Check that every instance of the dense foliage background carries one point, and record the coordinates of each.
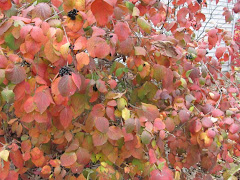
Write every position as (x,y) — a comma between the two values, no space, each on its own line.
(113,89)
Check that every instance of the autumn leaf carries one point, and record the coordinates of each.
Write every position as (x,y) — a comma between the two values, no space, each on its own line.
(99,138)
(16,74)
(102,11)
(83,156)
(82,60)
(68,159)
(66,86)
(97,47)
(66,117)
(102,124)
(122,30)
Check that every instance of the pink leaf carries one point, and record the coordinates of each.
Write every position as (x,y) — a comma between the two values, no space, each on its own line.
(66,86)
(66,117)
(102,124)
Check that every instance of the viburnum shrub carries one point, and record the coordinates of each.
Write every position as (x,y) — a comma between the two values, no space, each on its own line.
(113,89)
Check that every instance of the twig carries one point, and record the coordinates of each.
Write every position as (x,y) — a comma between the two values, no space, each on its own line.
(54,15)
(224,76)
(219,89)
(211,14)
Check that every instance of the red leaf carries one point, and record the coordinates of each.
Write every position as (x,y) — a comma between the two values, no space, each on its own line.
(37,34)
(29,105)
(206,122)
(5,5)
(83,156)
(42,101)
(3,61)
(68,159)
(195,126)
(102,124)
(184,116)
(17,158)
(158,124)
(217,113)
(110,112)
(101,86)
(15,74)
(97,47)
(66,117)
(102,11)
(164,174)
(99,138)
(4,169)
(168,80)
(114,133)
(98,110)
(122,30)
(80,43)
(234,128)
(66,86)
(42,10)
(152,156)
(77,80)
(219,52)
(13,175)
(37,157)
(149,111)
(181,16)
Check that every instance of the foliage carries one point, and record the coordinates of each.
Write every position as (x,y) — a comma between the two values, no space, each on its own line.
(112,89)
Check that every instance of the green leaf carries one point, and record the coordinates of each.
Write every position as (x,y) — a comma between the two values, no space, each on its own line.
(8,95)
(129,5)
(10,41)
(2,75)
(146,137)
(189,72)
(119,72)
(138,163)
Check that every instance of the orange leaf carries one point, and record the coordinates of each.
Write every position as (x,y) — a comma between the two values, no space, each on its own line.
(83,156)
(122,30)
(17,158)
(66,116)
(68,159)
(98,47)
(99,138)
(102,11)
(82,59)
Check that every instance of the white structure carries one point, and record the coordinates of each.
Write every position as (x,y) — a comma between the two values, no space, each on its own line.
(215,18)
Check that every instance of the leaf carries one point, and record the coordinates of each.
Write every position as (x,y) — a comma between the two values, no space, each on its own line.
(146,137)
(234,128)
(102,11)
(42,101)
(195,126)
(168,80)
(129,125)
(50,53)
(7,95)
(83,156)
(4,154)
(206,122)
(152,156)
(82,60)
(125,113)
(15,74)
(42,11)
(102,124)
(144,25)
(159,124)
(68,159)
(37,34)
(99,138)
(65,50)
(140,51)
(150,111)
(10,41)
(29,105)
(5,5)
(66,117)
(122,30)
(184,115)
(46,169)
(114,133)
(97,47)
(77,80)
(219,52)
(159,72)
(66,86)
(16,158)
(80,43)
(164,174)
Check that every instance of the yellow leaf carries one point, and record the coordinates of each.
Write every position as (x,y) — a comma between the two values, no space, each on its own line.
(4,155)
(125,114)
(64,49)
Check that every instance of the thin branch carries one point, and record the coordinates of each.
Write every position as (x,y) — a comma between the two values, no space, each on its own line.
(225,76)
(211,14)
(54,15)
